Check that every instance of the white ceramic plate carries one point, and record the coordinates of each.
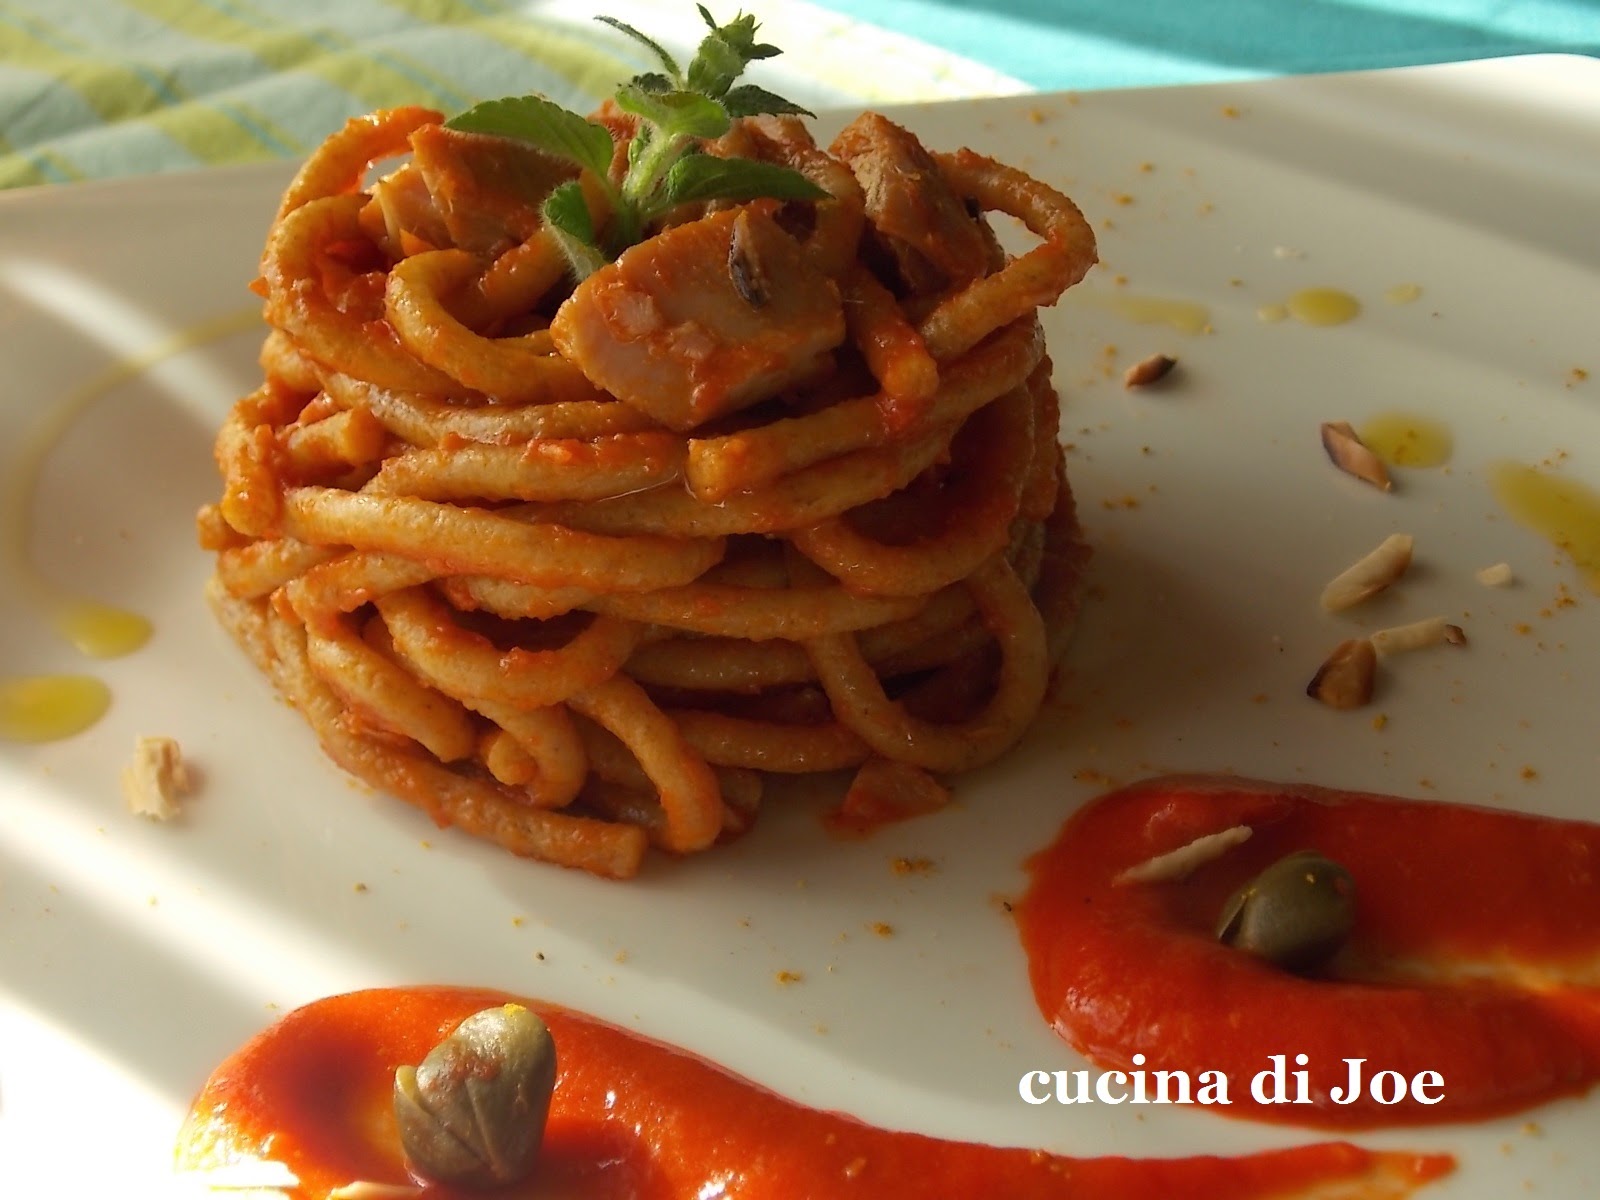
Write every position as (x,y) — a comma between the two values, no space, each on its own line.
(134,956)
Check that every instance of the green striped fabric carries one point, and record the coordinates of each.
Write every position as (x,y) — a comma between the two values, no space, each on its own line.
(102,88)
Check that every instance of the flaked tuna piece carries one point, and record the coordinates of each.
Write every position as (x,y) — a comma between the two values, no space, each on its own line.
(487,189)
(703,319)
(916,214)
(402,216)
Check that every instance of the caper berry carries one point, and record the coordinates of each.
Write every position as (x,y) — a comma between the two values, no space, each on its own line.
(1295,914)
(473,1112)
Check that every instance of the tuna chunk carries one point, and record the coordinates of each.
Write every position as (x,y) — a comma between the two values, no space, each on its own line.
(487,189)
(935,241)
(703,319)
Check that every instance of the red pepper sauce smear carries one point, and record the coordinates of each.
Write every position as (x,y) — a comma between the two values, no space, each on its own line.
(1475,951)
(633,1118)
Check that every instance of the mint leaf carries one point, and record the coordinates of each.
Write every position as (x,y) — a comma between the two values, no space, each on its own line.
(637,147)
(544,124)
(716,65)
(748,100)
(566,210)
(740,33)
(675,114)
(667,60)
(566,215)
(653,82)
(666,166)
(706,177)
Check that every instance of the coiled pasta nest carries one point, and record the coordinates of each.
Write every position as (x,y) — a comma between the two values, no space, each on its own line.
(573,566)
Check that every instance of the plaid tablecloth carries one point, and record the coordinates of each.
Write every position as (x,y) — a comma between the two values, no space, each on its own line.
(98,88)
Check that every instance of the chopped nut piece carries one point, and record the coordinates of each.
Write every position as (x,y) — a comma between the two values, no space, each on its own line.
(263,1178)
(1430,631)
(1346,678)
(1496,576)
(1351,455)
(156,777)
(1370,574)
(1179,864)
(1148,370)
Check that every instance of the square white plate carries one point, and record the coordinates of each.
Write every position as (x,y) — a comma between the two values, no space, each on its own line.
(134,956)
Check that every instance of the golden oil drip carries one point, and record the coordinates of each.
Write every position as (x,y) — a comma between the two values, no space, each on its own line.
(1323,306)
(99,630)
(1563,511)
(46,708)
(1183,315)
(1408,439)
(94,628)
(1271,314)
(42,708)
(1403,293)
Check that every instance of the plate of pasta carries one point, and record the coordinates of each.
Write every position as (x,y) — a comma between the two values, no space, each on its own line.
(693,602)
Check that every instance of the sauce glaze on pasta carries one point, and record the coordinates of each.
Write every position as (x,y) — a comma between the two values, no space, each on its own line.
(572,567)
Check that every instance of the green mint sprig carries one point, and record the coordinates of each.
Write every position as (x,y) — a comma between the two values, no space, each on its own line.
(677,109)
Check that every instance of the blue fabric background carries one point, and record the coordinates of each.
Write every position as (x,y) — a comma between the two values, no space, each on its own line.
(1115,43)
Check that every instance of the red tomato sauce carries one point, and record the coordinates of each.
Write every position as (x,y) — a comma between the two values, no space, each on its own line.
(633,1118)
(1475,952)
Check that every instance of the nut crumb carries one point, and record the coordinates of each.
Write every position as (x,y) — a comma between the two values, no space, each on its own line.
(153,782)
(911,866)
(1350,454)
(1346,677)
(1430,631)
(788,977)
(1369,574)
(362,1189)
(1148,370)
(1179,864)
(1498,575)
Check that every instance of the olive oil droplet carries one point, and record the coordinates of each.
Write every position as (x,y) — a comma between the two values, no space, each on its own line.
(1562,510)
(1183,315)
(99,630)
(1403,293)
(1323,306)
(1408,439)
(46,708)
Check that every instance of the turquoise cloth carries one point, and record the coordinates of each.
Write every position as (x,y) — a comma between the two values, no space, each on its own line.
(1063,44)
(100,88)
